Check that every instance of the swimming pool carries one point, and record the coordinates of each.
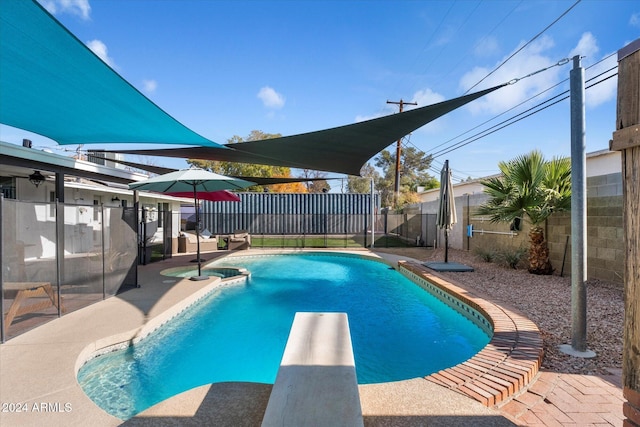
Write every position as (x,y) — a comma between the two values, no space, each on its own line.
(238,333)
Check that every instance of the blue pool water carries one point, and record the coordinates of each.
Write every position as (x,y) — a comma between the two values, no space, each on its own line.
(207,271)
(398,330)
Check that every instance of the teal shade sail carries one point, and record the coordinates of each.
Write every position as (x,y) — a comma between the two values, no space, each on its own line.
(52,84)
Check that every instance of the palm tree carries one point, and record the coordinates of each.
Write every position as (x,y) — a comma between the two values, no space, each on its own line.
(530,187)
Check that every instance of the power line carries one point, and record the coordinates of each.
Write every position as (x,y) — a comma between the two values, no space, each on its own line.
(504,112)
(508,122)
(442,48)
(407,141)
(482,39)
(514,107)
(523,46)
(527,100)
(511,121)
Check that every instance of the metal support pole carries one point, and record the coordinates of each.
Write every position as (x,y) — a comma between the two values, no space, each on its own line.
(373,215)
(136,209)
(2,337)
(104,255)
(59,251)
(578,216)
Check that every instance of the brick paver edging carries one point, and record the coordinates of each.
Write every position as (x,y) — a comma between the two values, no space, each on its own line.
(505,365)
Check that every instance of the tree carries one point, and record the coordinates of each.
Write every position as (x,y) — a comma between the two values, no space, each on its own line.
(362,184)
(529,186)
(250,169)
(413,172)
(319,185)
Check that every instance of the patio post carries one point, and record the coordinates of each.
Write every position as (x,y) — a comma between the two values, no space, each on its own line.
(59,250)
(1,275)
(626,139)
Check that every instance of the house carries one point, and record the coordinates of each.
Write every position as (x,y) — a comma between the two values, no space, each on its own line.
(84,186)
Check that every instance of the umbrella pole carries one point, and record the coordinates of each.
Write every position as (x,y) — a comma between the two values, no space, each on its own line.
(195,201)
(446,245)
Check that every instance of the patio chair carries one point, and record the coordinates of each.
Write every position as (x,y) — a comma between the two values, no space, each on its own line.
(240,239)
(187,243)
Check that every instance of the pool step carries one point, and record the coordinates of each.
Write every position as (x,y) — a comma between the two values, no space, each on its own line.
(316,383)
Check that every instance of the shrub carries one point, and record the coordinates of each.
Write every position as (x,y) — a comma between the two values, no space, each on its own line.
(512,256)
(486,254)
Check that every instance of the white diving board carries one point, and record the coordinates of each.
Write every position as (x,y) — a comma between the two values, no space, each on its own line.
(316,383)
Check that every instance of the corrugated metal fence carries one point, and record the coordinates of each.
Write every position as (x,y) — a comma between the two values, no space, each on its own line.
(280,213)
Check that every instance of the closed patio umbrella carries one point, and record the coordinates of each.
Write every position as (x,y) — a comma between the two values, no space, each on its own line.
(447,208)
(193,180)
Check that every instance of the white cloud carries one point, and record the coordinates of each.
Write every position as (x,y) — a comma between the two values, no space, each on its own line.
(634,21)
(81,8)
(486,47)
(101,51)
(602,92)
(149,86)
(587,47)
(426,97)
(531,59)
(270,98)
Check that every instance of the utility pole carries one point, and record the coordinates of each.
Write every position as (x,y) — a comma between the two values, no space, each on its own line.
(401,104)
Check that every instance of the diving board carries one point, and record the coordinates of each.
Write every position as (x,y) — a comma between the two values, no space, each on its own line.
(316,384)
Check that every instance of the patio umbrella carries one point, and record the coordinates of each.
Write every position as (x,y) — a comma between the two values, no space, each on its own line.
(447,209)
(193,181)
(213,196)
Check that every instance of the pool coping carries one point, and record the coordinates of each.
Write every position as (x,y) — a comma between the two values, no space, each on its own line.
(506,365)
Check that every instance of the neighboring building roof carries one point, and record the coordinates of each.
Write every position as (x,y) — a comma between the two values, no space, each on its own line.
(19,161)
(22,157)
(52,84)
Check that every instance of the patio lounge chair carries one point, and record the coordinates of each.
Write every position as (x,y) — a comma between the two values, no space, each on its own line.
(187,243)
(240,239)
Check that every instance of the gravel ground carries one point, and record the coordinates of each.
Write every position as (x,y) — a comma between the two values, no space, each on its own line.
(546,300)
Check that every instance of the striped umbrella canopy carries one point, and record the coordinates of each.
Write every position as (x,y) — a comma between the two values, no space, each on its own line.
(447,208)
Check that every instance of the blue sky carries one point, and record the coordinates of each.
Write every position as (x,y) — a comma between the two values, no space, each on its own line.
(225,68)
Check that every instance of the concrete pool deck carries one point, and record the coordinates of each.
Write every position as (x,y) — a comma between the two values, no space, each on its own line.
(38,377)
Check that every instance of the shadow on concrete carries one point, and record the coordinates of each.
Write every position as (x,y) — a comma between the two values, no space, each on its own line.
(221,404)
(244,404)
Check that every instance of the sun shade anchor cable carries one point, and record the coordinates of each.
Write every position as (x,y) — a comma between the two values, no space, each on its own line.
(557,64)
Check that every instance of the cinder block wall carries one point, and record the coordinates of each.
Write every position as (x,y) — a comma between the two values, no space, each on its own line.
(605,252)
